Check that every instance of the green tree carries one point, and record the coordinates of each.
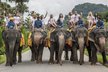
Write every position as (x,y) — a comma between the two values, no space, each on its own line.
(22,8)
(86,7)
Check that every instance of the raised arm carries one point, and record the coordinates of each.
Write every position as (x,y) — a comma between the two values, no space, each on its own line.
(46,14)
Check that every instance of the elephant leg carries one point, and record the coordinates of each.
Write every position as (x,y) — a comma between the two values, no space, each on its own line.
(104,57)
(93,53)
(66,53)
(7,58)
(14,56)
(40,53)
(51,60)
(56,56)
(89,52)
(75,56)
(33,53)
(20,54)
(71,58)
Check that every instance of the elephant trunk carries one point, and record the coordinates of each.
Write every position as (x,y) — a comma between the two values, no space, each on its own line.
(81,48)
(102,43)
(37,39)
(11,52)
(61,41)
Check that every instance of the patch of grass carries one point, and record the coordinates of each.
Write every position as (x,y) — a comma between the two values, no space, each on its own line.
(2,59)
(26,49)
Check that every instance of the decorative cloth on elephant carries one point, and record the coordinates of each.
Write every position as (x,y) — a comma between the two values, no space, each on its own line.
(22,41)
(29,40)
(47,42)
(69,41)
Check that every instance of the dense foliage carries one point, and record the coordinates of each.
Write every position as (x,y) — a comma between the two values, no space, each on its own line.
(104,15)
(86,7)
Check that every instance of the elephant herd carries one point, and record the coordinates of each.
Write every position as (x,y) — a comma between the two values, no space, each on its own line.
(60,40)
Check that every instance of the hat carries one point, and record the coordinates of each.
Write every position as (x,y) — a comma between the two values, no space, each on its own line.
(11,18)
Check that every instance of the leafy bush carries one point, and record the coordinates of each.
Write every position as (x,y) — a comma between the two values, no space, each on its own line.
(1,41)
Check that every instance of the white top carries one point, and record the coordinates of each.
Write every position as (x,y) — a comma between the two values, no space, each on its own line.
(43,21)
(17,19)
(6,20)
(91,19)
(52,21)
(75,18)
(32,20)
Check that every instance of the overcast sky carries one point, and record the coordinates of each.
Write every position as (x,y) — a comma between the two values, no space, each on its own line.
(58,6)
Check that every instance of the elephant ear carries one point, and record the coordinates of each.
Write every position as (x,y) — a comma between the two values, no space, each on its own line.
(4,35)
(18,36)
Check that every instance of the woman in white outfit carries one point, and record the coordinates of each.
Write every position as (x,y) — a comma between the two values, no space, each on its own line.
(52,22)
(90,19)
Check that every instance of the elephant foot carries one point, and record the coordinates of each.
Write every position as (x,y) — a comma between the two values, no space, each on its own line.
(75,62)
(81,62)
(7,64)
(93,63)
(71,59)
(20,61)
(56,61)
(60,63)
(51,62)
(32,60)
(39,62)
(66,58)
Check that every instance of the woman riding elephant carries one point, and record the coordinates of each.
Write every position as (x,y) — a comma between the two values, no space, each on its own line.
(90,19)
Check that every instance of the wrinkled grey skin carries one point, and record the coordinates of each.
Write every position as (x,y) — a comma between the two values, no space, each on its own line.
(81,38)
(38,38)
(98,44)
(11,39)
(58,38)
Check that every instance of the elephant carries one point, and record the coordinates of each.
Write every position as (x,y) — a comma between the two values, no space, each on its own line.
(57,44)
(81,35)
(97,43)
(71,48)
(38,42)
(11,39)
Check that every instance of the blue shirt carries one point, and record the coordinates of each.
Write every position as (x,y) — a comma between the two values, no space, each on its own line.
(80,23)
(11,25)
(38,24)
(100,24)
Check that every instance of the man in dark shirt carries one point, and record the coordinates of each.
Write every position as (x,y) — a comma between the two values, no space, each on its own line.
(38,23)
(80,22)
(100,23)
